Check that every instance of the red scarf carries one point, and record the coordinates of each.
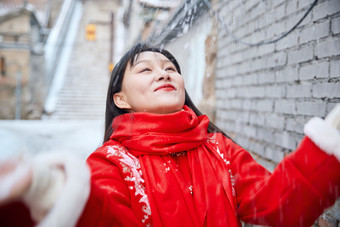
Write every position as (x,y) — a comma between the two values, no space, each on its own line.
(155,139)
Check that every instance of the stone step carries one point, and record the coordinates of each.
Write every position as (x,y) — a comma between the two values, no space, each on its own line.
(83,108)
(83,95)
(72,106)
(78,117)
(79,111)
(100,99)
(82,101)
(84,114)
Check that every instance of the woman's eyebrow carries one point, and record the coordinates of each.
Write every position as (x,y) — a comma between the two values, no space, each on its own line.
(139,62)
(149,61)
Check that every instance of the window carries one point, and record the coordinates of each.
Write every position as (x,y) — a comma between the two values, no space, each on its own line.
(2,66)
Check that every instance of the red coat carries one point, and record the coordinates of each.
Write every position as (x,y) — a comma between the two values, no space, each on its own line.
(212,183)
(168,171)
(294,195)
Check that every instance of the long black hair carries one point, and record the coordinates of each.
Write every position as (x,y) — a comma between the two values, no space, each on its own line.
(116,81)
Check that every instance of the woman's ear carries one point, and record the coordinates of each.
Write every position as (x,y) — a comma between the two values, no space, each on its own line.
(120,101)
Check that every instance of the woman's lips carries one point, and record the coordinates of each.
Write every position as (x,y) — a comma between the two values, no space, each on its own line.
(166,87)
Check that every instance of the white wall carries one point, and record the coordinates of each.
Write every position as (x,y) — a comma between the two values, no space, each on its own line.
(189,50)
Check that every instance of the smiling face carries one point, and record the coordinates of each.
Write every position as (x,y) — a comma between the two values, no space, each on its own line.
(152,84)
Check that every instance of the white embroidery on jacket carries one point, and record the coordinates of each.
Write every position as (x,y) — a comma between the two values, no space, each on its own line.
(214,141)
(131,167)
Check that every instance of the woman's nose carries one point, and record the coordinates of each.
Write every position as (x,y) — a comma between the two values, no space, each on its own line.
(163,75)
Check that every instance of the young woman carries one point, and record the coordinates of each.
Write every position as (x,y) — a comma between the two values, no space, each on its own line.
(163,163)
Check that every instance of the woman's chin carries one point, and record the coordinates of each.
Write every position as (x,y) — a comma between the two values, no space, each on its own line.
(165,109)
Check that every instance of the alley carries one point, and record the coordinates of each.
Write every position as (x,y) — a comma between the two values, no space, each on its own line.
(75,120)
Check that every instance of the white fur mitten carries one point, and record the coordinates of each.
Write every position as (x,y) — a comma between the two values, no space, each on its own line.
(326,133)
(60,189)
(333,118)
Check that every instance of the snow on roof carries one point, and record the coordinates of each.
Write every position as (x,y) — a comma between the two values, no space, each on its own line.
(38,7)
(161,3)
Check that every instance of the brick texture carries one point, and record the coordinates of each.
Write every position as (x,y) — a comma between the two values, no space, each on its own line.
(265,94)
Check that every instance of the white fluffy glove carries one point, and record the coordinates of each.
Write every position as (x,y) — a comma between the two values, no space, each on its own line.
(326,133)
(48,183)
(60,189)
(333,118)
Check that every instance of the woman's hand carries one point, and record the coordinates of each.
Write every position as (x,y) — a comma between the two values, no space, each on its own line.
(15,179)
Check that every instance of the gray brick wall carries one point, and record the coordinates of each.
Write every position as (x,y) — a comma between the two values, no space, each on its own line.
(265,94)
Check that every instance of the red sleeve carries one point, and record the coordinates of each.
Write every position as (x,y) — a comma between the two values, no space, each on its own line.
(109,201)
(296,193)
(15,214)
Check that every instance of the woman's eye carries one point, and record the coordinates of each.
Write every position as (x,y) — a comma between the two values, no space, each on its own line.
(145,70)
(171,69)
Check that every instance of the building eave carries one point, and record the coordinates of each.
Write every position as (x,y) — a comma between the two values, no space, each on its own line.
(16,46)
(169,4)
(27,9)
(182,18)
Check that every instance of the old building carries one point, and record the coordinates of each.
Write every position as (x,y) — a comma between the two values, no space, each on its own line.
(32,38)
(22,64)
